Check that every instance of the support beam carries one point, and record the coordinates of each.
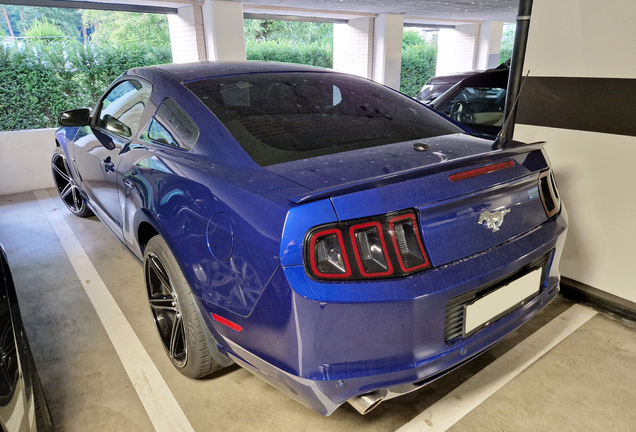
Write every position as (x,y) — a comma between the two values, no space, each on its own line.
(592,159)
(516,66)
(279,17)
(387,49)
(353,47)
(224,30)
(186,35)
(489,45)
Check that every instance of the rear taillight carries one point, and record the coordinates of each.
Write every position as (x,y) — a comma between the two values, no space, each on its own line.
(549,193)
(328,257)
(370,249)
(408,243)
(378,247)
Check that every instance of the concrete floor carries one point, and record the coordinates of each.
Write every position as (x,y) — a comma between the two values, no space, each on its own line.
(586,383)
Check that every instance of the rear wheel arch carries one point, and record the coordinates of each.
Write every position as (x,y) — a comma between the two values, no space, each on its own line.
(145,231)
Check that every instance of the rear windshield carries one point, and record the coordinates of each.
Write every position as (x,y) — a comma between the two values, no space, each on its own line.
(282,117)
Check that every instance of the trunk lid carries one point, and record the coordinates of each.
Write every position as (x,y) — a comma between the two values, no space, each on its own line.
(339,169)
(453,215)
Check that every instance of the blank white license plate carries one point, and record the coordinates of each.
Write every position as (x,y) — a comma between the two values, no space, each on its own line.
(501,300)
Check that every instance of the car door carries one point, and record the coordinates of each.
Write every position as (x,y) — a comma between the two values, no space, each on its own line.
(170,132)
(99,146)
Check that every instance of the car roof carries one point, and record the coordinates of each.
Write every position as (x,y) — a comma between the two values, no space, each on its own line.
(489,78)
(452,78)
(209,69)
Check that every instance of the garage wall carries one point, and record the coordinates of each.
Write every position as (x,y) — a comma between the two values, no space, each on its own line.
(579,99)
(25,158)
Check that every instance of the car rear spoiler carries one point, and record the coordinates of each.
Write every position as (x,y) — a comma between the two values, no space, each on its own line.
(512,148)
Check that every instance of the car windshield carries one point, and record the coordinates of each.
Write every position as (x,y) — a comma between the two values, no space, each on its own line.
(282,117)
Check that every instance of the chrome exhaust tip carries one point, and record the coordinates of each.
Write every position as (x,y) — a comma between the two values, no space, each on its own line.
(365,403)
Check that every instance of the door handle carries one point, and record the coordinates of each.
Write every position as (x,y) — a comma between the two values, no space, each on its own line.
(108,165)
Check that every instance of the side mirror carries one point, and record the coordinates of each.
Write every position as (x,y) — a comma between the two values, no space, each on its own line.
(76,117)
(111,124)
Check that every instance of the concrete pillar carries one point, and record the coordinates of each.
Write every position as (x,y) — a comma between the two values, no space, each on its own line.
(456,49)
(353,47)
(224,30)
(387,49)
(489,45)
(578,98)
(186,35)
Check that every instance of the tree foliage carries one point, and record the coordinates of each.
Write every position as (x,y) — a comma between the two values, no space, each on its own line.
(119,29)
(44,29)
(69,21)
(292,31)
(290,42)
(507,42)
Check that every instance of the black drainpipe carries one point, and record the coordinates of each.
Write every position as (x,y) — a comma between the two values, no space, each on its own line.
(516,68)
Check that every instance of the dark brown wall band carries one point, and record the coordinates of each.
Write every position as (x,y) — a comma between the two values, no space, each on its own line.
(606,105)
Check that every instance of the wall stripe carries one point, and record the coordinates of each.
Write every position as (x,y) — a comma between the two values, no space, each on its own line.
(587,104)
(459,402)
(155,395)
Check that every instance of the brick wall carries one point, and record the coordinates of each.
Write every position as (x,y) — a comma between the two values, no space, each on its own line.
(186,35)
(353,47)
(457,49)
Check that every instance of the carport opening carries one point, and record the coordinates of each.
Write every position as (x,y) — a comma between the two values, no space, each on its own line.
(55,59)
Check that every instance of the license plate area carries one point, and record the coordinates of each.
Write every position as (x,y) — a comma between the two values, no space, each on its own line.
(502,301)
(456,306)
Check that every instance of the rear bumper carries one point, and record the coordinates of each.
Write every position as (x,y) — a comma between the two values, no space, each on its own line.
(357,337)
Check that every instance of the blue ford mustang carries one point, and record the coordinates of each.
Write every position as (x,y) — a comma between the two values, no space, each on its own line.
(334,237)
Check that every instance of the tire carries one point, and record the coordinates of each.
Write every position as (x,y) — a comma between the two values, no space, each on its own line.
(174,312)
(68,189)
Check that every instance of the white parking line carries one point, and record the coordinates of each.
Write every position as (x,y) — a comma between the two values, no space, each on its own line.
(459,402)
(163,409)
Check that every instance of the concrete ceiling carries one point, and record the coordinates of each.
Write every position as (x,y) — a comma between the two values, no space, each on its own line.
(454,11)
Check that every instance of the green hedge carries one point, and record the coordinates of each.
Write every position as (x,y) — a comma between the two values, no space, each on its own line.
(39,80)
(314,54)
(418,66)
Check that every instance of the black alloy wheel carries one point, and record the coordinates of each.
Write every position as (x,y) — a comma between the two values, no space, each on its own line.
(166,312)
(67,187)
(184,336)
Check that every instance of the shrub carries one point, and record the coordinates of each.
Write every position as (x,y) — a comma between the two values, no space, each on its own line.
(314,54)
(43,29)
(39,80)
(418,66)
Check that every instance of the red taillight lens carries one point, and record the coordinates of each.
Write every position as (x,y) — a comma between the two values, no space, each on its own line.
(408,243)
(481,171)
(549,193)
(328,257)
(370,249)
(383,246)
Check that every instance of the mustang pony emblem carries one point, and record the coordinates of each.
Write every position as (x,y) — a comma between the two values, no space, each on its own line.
(493,219)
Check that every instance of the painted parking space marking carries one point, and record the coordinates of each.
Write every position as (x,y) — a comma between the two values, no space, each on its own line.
(163,409)
(459,402)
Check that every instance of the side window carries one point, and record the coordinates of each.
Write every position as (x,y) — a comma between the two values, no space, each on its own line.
(122,107)
(477,105)
(171,126)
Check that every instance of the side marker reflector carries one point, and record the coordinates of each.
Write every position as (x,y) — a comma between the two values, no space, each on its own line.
(227,323)
(481,171)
